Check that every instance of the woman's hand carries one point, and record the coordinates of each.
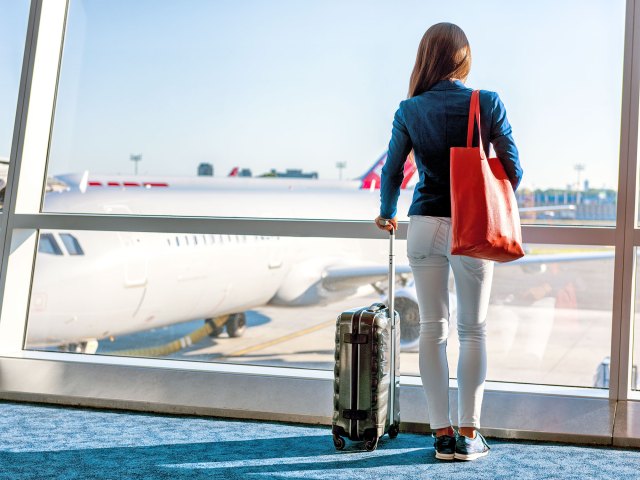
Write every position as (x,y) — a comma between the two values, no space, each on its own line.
(386,223)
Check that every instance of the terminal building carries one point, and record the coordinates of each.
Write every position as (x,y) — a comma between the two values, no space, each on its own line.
(161,325)
(291,173)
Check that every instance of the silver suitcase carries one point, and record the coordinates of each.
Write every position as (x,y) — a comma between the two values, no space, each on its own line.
(367,371)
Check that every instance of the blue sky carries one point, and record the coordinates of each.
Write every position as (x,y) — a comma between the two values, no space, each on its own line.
(305,84)
(13,26)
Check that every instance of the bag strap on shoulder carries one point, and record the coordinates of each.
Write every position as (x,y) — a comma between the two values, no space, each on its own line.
(474,115)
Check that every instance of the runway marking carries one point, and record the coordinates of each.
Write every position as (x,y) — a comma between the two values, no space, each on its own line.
(276,341)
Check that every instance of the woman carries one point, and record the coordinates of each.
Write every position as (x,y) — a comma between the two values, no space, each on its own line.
(431,121)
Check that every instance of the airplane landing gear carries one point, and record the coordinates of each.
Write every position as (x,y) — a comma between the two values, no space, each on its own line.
(89,347)
(217,325)
(235,324)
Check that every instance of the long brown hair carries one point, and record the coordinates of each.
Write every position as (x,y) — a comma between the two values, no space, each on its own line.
(444,52)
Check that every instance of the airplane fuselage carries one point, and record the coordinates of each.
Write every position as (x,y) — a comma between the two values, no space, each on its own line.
(125,282)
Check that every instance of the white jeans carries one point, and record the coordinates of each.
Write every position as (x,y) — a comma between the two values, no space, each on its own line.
(428,249)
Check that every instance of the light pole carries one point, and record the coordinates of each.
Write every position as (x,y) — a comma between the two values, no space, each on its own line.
(135,159)
(578,167)
(340,166)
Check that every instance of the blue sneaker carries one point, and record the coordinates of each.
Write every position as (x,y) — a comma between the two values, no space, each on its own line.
(471,448)
(445,447)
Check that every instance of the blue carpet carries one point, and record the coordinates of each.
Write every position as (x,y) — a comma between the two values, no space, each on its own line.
(46,442)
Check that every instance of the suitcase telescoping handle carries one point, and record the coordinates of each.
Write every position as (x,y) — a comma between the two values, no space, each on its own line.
(392,275)
(392,314)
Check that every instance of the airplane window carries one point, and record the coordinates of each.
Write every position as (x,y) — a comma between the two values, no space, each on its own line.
(186,240)
(177,241)
(48,244)
(71,244)
(168,241)
(195,240)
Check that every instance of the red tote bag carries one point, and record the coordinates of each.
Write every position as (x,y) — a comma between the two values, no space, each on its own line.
(484,213)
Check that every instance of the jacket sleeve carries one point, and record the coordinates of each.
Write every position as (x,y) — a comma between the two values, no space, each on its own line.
(393,170)
(503,143)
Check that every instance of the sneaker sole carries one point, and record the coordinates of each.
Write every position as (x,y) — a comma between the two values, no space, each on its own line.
(445,456)
(470,456)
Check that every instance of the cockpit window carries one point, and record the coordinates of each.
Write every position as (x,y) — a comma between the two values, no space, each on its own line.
(48,244)
(71,244)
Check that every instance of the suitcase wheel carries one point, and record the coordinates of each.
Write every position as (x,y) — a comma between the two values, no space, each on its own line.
(371,444)
(338,442)
(393,431)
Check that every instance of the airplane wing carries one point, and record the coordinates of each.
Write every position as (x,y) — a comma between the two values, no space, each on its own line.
(548,208)
(340,278)
(562,257)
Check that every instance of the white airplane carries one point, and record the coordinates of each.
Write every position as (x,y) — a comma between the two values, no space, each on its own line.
(148,280)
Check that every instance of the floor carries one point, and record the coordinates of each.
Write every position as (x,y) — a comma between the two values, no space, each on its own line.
(50,442)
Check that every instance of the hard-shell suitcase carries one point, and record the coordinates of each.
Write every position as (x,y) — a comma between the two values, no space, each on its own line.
(367,371)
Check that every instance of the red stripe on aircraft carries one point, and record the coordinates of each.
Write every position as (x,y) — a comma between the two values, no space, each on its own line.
(155,184)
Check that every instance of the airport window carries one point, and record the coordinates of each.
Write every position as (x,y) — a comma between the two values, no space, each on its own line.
(570,176)
(71,244)
(549,319)
(635,334)
(48,244)
(13,26)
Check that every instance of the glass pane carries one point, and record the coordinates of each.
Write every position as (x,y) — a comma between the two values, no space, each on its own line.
(549,319)
(635,334)
(307,91)
(14,15)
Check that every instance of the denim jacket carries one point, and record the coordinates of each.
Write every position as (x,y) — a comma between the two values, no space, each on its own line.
(430,124)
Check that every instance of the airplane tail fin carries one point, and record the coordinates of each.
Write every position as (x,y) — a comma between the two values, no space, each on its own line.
(410,169)
(234,172)
(84,181)
(371,179)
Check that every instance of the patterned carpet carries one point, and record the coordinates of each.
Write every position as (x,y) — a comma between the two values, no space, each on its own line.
(46,442)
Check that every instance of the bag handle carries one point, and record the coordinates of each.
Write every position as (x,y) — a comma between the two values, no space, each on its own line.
(474,114)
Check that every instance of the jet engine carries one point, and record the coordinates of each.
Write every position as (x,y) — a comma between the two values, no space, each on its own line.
(407,307)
